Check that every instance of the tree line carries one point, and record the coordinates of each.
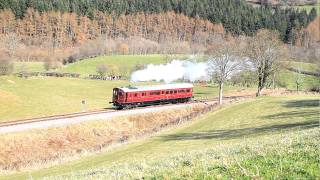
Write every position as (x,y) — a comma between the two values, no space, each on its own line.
(237,16)
(63,29)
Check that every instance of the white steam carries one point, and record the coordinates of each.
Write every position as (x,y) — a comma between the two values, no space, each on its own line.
(175,70)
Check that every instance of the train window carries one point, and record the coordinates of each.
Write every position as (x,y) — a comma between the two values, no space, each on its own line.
(175,92)
(155,93)
(135,94)
(171,92)
(162,92)
(188,90)
(120,93)
(167,92)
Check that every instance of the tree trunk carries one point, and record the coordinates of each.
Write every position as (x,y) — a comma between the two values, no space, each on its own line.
(220,92)
(259,91)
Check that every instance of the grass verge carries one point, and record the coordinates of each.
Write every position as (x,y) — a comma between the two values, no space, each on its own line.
(264,118)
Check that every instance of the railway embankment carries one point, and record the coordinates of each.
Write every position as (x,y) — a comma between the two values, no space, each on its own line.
(45,147)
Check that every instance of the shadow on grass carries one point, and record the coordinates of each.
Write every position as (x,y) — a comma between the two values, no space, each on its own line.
(236,133)
(308,115)
(303,103)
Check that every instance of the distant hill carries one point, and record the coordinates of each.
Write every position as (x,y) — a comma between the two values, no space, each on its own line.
(238,17)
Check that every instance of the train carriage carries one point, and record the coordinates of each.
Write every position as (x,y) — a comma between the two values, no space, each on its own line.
(127,97)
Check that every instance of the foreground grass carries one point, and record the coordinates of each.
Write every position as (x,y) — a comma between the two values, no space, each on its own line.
(241,124)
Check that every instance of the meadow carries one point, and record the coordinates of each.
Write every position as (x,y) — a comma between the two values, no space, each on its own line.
(309,7)
(265,137)
(42,96)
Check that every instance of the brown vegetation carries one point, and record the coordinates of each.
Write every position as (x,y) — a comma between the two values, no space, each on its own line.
(56,31)
(25,149)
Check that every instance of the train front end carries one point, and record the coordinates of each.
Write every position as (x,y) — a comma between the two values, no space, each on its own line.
(118,98)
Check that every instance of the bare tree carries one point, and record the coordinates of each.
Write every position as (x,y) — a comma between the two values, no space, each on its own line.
(12,41)
(298,79)
(264,53)
(222,63)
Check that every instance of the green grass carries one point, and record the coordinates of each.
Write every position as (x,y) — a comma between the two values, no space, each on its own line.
(116,63)
(261,123)
(288,78)
(42,96)
(309,7)
(29,66)
(34,97)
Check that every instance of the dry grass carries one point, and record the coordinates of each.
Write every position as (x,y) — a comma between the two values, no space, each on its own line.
(28,149)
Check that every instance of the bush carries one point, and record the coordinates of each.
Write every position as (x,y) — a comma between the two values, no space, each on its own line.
(102,69)
(51,63)
(6,67)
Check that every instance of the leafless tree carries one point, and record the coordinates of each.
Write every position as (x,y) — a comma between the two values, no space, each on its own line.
(264,51)
(11,43)
(222,63)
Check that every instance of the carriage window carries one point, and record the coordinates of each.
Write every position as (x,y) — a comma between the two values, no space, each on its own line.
(171,92)
(162,92)
(135,94)
(155,93)
(175,92)
(188,90)
(167,92)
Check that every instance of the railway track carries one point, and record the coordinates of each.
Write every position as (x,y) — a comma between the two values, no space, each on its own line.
(97,112)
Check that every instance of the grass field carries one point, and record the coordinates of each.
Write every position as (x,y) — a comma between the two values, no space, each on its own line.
(41,96)
(255,133)
(309,7)
(29,66)
(287,79)
(114,63)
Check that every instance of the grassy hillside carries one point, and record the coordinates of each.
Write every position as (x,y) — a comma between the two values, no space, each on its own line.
(114,63)
(259,138)
(29,66)
(309,7)
(288,78)
(41,96)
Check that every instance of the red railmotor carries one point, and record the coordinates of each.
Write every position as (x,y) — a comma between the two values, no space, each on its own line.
(127,97)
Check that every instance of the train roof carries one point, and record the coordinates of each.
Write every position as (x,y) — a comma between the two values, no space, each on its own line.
(156,87)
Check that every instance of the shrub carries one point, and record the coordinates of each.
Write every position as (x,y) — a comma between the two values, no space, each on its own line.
(51,63)
(101,69)
(6,66)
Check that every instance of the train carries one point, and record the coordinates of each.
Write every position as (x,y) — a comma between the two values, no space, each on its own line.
(138,96)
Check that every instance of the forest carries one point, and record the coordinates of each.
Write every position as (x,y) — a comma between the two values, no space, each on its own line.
(69,30)
(236,16)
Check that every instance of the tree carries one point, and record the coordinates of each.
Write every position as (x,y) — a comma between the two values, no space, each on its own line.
(6,66)
(264,53)
(222,63)
(12,42)
(51,62)
(101,69)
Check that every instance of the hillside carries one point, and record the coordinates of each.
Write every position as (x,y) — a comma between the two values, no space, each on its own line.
(237,17)
(63,95)
(240,140)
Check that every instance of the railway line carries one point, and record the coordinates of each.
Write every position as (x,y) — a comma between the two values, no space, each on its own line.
(102,114)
